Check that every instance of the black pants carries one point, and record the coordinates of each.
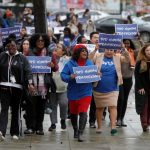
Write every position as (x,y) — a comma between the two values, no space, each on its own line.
(28,111)
(124,91)
(38,112)
(10,97)
(92,113)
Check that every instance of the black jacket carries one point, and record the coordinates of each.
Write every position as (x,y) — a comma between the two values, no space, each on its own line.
(16,66)
(142,80)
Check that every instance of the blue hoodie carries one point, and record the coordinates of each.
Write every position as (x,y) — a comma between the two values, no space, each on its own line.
(75,91)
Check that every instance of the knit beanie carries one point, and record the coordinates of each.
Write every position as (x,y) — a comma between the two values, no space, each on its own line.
(79,48)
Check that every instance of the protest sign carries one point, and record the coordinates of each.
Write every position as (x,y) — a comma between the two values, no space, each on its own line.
(110,41)
(30,30)
(90,47)
(58,30)
(39,64)
(82,20)
(86,74)
(51,18)
(62,62)
(18,25)
(74,42)
(128,31)
(52,24)
(5,32)
(52,47)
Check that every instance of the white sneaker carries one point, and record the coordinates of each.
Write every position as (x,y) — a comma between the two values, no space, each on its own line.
(15,137)
(98,131)
(2,138)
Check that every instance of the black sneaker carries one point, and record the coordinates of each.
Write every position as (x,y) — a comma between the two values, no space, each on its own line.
(63,124)
(118,123)
(92,125)
(52,127)
(123,124)
(40,132)
(28,131)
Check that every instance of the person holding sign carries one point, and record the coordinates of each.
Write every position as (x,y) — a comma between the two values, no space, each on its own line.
(142,86)
(79,94)
(127,70)
(42,81)
(106,90)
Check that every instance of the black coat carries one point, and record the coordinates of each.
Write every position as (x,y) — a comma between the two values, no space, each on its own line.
(19,67)
(142,80)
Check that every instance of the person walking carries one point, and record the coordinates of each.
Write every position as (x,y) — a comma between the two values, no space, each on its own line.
(15,73)
(127,70)
(142,86)
(39,47)
(60,97)
(79,95)
(27,104)
(106,94)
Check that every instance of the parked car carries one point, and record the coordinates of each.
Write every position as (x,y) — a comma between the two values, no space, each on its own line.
(62,13)
(95,14)
(139,21)
(107,25)
(146,18)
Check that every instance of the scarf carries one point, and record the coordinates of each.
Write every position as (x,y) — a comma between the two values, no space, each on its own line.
(38,79)
(81,62)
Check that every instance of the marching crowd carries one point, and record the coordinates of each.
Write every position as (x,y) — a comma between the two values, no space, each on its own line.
(34,92)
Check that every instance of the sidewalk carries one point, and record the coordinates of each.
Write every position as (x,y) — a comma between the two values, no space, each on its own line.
(128,138)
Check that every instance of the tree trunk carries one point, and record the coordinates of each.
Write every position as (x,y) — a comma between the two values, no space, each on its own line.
(40,22)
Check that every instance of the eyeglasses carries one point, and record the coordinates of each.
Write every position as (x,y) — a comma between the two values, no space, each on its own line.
(84,50)
(40,40)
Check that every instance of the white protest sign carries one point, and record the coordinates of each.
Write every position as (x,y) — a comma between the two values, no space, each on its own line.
(58,30)
(90,47)
(30,30)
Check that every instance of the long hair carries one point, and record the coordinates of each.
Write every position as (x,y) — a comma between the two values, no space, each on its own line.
(36,36)
(21,45)
(132,46)
(141,54)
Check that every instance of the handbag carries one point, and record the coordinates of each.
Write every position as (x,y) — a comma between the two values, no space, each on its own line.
(50,83)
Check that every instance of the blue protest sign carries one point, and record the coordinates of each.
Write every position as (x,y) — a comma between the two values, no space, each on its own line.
(18,25)
(74,42)
(86,74)
(82,20)
(51,18)
(128,31)
(110,41)
(67,41)
(6,31)
(39,64)
(52,47)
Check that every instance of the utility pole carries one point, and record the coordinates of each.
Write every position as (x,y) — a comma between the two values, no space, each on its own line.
(40,21)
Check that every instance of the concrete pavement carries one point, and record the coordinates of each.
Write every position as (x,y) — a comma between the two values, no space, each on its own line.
(128,138)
